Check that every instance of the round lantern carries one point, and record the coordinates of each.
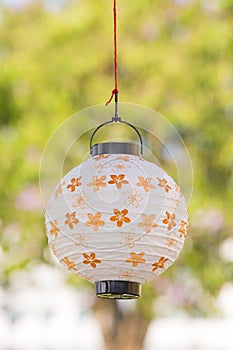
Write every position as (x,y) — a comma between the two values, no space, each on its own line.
(117,220)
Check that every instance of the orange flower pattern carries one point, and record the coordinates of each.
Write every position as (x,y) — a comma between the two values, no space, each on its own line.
(118,180)
(125,158)
(120,217)
(91,259)
(53,248)
(183,229)
(82,240)
(120,167)
(132,205)
(129,239)
(54,229)
(58,190)
(100,167)
(71,219)
(95,221)
(126,275)
(75,182)
(80,201)
(148,222)
(101,156)
(169,221)
(145,183)
(171,242)
(69,264)
(132,198)
(163,183)
(97,182)
(159,264)
(136,259)
(175,202)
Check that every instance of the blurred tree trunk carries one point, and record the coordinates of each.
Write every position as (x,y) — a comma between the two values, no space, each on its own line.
(122,329)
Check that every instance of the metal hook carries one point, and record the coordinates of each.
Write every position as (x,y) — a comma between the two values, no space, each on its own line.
(117,119)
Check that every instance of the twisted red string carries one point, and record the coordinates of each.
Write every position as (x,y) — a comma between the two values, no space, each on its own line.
(115,90)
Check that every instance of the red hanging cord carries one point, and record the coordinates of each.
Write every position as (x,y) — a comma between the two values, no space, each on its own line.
(115,90)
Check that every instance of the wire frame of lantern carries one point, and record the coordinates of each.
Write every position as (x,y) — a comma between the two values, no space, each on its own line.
(117,220)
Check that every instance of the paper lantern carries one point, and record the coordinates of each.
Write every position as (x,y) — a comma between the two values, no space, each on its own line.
(117,220)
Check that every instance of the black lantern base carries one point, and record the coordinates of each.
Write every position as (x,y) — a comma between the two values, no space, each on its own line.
(118,289)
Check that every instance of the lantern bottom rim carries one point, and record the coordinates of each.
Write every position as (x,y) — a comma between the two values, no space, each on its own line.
(113,289)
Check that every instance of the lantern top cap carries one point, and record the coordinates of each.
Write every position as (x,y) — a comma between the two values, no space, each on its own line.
(116,148)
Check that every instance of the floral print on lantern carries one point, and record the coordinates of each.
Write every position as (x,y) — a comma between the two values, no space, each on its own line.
(136,259)
(163,183)
(129,239)
(95,221)
(97,182)
(69,264)
(82,240)
(126,274)
(79,201)
(132,198)
(159,264)
(101,156)
(148,222)
(54,229)
(145,183)
(116,216)
(120,217)
(118,180)
(75,182)
(120,167)
(53,248)
(124,158)
(99,167)
(175,202)
(171,242)
(91,259)
(58,191)
(183,229)
(71,220)
(172,247)
(169,221)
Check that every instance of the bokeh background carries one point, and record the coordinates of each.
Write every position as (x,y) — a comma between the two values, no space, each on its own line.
(175,57)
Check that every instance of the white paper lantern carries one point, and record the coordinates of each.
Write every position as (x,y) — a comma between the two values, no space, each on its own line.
(117,220)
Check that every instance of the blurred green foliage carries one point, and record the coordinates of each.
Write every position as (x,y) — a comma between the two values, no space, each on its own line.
(175,57)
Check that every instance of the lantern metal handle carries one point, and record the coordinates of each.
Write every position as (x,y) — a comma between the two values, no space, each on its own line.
(117,121)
